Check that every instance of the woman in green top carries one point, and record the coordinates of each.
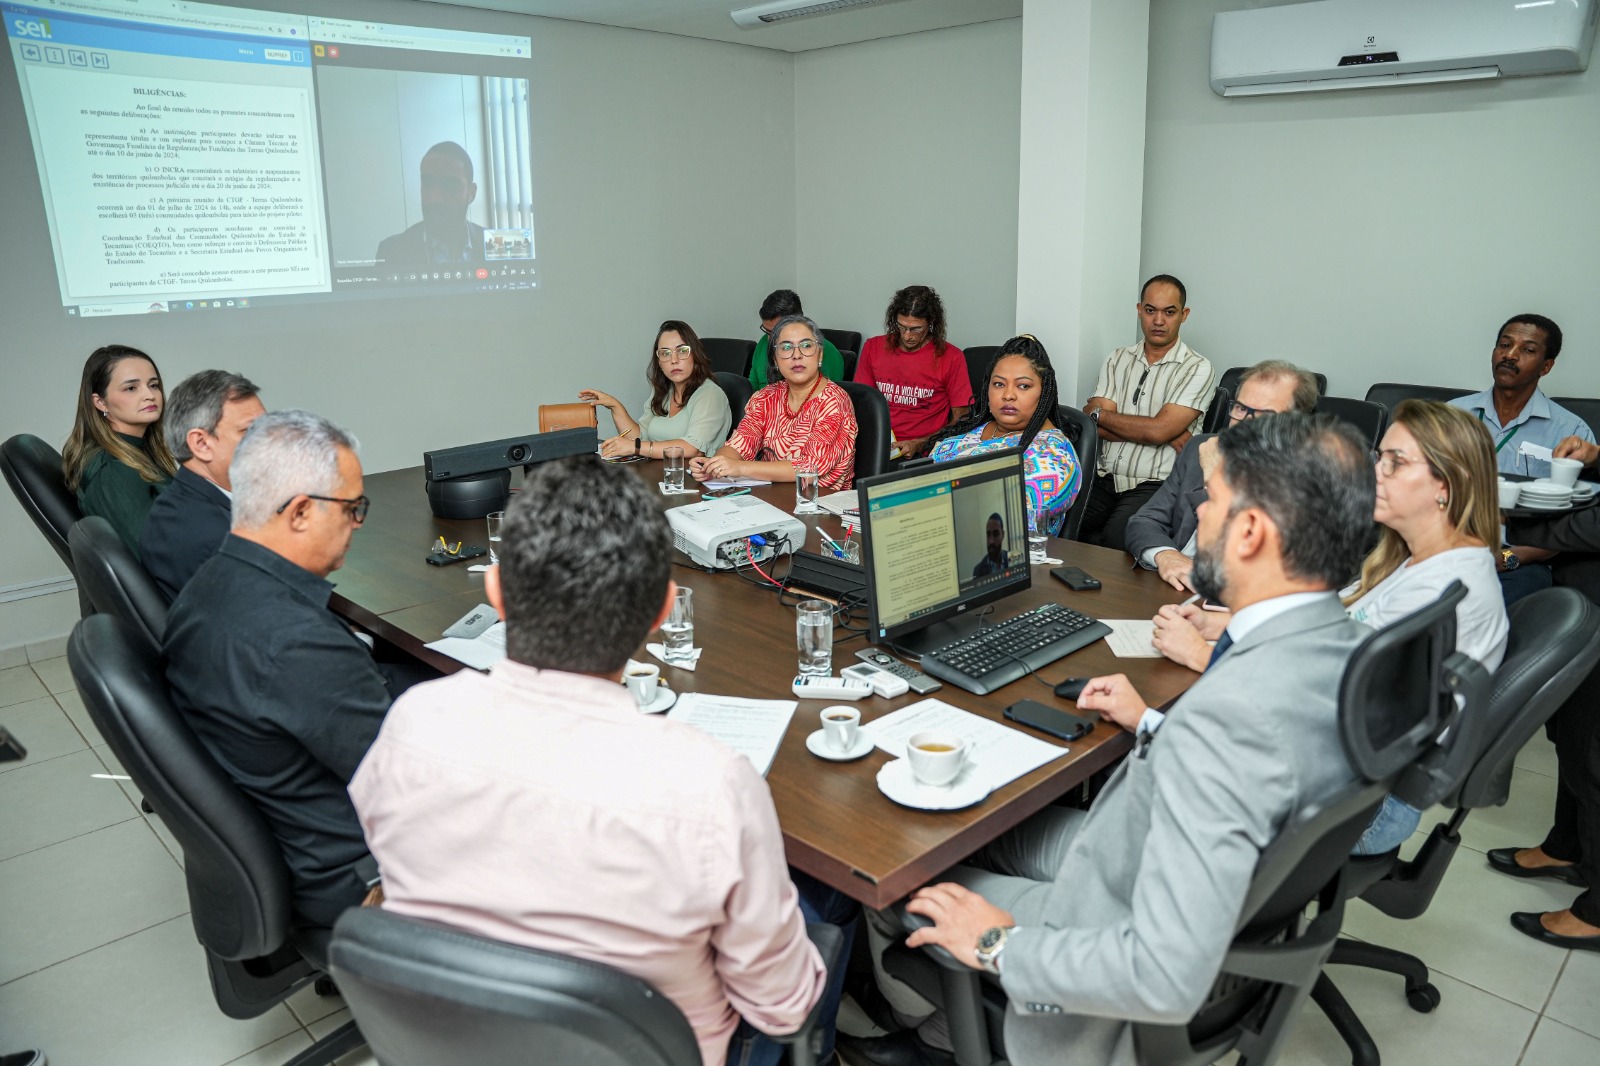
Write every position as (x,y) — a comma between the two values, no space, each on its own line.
(117,459)
(688,409)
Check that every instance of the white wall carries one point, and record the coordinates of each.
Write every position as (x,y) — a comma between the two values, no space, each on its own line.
(906,150)
(644,150)
(1378,234)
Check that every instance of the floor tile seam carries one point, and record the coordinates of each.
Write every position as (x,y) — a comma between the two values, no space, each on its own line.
(9,768)
(97,947)
(1536,1011)
(298,1025)
(75,836)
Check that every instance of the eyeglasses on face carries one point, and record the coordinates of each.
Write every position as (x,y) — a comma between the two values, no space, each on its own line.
(672,355)
(1243,412)
(807,347)
(356,508)
(1390,460)
(909,331)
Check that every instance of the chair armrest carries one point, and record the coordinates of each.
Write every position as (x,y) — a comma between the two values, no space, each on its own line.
(829,942)
(910,922)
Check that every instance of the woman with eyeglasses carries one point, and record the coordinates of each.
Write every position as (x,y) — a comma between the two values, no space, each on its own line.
(687,408)
(921,375)
(800,420)
(117,459)
(1016,410)
(1439,514)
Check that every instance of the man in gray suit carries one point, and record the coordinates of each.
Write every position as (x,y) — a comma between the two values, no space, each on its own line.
(1124,914)
(1161,535)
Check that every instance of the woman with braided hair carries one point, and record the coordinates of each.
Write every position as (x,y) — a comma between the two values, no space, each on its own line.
(1016,408)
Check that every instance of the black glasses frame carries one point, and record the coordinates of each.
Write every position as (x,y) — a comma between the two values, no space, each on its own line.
(356,508)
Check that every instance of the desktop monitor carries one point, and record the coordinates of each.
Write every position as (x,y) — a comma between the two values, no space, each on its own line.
(939,541)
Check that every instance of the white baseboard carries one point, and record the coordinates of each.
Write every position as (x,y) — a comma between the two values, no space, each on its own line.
(35,618)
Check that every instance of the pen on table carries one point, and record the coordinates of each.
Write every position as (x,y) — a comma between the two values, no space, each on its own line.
(738,492)
(837,550)
(1191,600)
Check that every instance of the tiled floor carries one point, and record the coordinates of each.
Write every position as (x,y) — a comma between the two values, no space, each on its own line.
(98,963)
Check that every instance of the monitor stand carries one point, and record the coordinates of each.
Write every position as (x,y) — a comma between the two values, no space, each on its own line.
(940,634)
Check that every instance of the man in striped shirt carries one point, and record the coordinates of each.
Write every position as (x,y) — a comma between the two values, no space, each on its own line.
(1148,401)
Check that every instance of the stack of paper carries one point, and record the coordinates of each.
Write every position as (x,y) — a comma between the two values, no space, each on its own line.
(478,638)
(999,754)
(753,728)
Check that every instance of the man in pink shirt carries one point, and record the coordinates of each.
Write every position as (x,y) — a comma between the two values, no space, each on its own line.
(923,378)
(536,805)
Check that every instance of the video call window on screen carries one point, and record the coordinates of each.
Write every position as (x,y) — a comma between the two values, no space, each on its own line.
(944,538)
(196,157)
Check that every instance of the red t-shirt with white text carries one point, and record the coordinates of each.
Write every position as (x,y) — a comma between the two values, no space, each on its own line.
(919,386)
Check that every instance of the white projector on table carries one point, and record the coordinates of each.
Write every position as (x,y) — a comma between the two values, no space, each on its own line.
(715,533)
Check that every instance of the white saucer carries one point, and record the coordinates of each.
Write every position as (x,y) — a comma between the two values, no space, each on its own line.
(1556,506)
(664,700)
(817,744)
(896,782)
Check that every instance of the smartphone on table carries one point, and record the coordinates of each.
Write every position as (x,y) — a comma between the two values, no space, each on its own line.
(1063,725)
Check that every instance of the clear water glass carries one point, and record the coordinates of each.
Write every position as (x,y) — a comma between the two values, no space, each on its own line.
(1038,532)
(496,521)
(805,489)
(677,632)
(813,630)
(673,457)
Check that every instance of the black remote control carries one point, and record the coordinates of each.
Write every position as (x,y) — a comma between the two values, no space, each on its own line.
(920,683)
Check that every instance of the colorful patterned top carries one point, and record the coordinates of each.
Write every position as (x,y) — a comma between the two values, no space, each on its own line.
(1050,466)
(823,432)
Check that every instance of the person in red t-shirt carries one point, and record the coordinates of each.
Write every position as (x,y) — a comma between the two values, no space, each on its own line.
(923,378)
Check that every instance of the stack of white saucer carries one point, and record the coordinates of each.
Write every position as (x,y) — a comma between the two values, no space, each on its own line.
(1544,495)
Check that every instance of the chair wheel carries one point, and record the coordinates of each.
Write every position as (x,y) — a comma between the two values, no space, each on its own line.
(325,988)
(1423,998)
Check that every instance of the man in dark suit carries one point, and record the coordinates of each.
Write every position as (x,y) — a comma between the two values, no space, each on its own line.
(1124,913)
(276,686)
(444,237)
(1161,535)
(1571,851)
(207,416)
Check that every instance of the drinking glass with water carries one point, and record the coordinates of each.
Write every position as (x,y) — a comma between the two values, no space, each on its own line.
(813,629)
(806,479)
(674,468)
(496,521)
(677,632)
(1038,531)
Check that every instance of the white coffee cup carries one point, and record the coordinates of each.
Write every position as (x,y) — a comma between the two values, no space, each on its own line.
(1509,491)
(1565,471)
(936,757)
(642,681)
(842,727)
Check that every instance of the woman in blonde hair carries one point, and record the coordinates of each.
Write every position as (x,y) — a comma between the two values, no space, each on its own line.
(117,459)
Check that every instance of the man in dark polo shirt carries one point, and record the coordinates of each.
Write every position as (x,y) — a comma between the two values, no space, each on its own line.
(278,688)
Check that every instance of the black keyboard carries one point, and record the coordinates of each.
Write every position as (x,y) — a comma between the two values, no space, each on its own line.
(997,655)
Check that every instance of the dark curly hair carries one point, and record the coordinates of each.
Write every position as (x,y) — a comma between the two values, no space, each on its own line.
(917,301)
(1027,346)
(660,384)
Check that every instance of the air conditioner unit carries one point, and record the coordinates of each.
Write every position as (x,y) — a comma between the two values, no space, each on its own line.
(1359,44)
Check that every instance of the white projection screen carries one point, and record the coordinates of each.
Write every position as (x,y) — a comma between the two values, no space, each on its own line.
(196,157)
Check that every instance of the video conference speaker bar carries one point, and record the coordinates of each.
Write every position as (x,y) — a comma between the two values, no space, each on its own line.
(470,459)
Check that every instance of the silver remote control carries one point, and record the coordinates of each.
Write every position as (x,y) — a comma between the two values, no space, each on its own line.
(920,682)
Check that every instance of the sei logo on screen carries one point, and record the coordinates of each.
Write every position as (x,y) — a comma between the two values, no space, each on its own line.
(32,28)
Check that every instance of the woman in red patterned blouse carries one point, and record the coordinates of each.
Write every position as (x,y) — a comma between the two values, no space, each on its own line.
(802,417)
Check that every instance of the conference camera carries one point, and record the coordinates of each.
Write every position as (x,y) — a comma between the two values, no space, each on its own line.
(475,479)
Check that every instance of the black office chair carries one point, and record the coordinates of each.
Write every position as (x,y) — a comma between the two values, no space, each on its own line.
(872,428)
(846,340)
(848,357)
(1553,644)
(1230,381)
(738,389)
(117,583)
(1217,411)
(1390,393)
(239,890)
(729,355)
(1586,409)
(1080,430)
(33,470)
(1370,419)
(1398,695)
(978,360)
(426,994)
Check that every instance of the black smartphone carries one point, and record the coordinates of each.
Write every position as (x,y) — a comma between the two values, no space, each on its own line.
(1075,579)
(1062,724)
(471,551)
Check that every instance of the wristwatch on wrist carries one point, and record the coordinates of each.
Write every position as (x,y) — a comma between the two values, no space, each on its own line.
(1509,560)
(636,445)
(991,944)
(1094,416)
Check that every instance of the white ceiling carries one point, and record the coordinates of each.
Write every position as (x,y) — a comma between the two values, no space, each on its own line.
(708,19)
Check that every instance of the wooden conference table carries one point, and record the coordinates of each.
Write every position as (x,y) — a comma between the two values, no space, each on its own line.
(837,826)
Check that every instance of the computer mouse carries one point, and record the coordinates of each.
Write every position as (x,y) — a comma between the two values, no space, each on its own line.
(1072,688)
